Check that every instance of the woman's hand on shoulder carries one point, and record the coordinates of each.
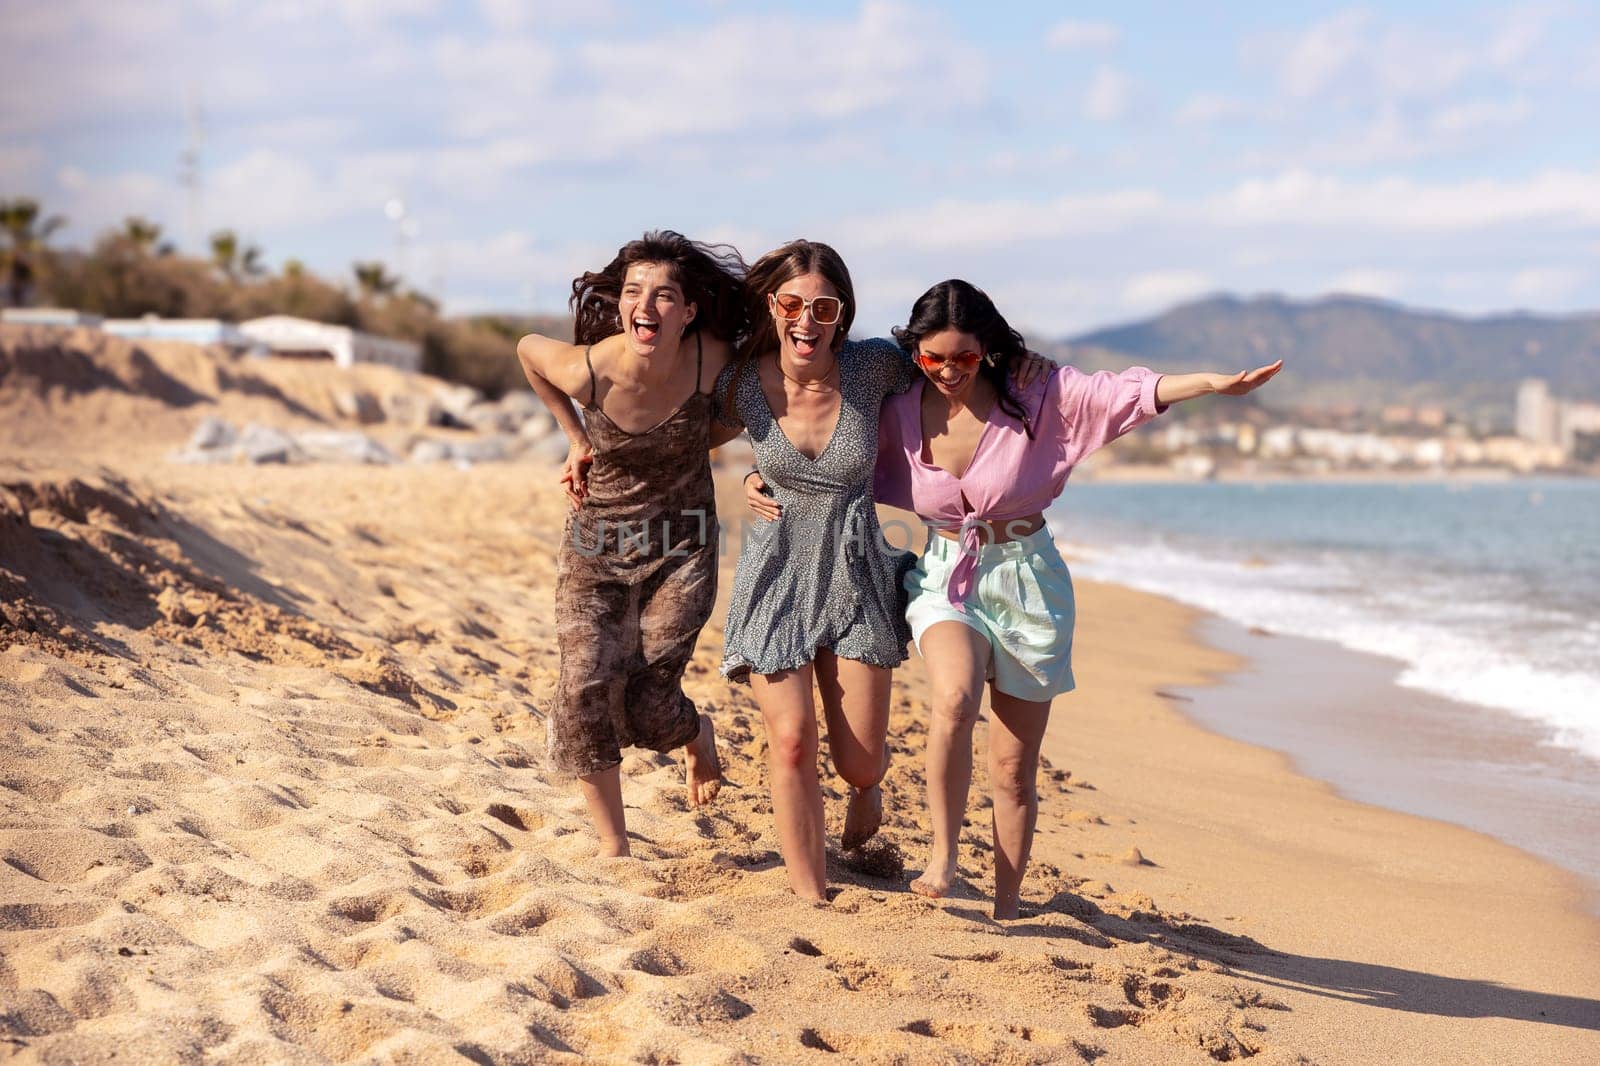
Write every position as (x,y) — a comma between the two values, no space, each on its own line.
(755,494)
(1030,368)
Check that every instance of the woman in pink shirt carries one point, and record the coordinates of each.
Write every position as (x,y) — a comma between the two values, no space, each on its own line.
(991,599)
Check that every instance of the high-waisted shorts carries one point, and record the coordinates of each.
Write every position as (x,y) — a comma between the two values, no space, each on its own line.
(1021,603)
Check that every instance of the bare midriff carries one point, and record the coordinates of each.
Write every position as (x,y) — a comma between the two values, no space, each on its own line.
(999,532)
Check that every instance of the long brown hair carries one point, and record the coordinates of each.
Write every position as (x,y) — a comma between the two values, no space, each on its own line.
(768,274)
(712,276)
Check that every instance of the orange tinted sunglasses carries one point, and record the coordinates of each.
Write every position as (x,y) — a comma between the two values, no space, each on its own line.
(791,305)
(960,360)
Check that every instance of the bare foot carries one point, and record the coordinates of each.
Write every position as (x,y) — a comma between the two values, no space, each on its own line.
(863,817)
(702,768)
(935,880)
(1007,910)
(614,847)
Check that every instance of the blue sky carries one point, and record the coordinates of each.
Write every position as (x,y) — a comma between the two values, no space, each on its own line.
(1086,164)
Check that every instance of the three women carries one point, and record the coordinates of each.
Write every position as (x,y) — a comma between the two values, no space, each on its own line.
(817,596)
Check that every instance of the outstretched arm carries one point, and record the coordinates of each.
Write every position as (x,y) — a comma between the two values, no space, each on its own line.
(1175,388)
(550,366)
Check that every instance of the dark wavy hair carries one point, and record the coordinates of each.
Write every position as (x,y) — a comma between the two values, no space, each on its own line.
(712,276)
(965,308)
(768,274)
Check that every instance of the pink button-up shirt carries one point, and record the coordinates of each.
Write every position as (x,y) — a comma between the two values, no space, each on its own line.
(1010,476)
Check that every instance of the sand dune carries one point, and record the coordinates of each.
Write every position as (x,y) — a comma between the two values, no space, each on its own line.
(272,793)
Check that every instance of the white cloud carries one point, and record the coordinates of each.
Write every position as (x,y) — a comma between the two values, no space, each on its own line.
(1109,95)
(1300,200)
(21,168)
(496,86)
(953,224)
(1521,31)
(1404,205)
(1473,116)
(722,78)
(1072,34)
(1545,285)
(1323,53)
(519,15)
(1370,281)
(257,193)
(1208,108)
(469,269)
(1356,55)
(1156,289)
(1393,134)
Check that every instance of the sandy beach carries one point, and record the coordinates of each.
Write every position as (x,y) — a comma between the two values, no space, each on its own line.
(272,793)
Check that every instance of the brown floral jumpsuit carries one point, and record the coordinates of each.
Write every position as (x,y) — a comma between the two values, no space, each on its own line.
(636,580)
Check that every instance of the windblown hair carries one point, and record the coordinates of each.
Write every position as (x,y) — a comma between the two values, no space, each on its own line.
(780,265)
(962,306)
(711,275)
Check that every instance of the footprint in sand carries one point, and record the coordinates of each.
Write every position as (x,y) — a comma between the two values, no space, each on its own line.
(525,819)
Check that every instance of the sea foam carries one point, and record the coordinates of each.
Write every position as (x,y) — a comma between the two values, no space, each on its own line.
(1464,637)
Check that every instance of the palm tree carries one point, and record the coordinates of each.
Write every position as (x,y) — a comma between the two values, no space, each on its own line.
(25,236)
(225,252)
(141,233)
(250,263)
(374,279)
(234,258)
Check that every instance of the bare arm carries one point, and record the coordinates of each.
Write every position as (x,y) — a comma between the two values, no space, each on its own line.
(1175,388)
(542,359)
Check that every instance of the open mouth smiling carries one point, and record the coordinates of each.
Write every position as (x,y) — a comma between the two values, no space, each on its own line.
(805,344)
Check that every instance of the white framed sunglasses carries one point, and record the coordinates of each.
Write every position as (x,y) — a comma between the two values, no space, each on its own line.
(789,306)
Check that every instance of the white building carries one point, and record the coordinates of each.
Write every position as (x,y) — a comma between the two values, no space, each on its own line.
(1538,416)
(1578,418)
(193,330)
(288,335)
(1546,421)
(49,316)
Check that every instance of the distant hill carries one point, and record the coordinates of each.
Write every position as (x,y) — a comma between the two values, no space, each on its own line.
(1350,349)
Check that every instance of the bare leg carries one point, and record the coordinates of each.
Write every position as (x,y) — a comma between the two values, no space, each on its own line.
(603,793)
(957,657)
(1016,730)
(791,721)
(702,768)
(855,702)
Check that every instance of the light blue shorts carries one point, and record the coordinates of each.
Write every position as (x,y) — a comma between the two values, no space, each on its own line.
(1021,603)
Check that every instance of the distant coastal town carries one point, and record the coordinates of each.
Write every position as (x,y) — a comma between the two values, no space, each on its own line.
(1551,436)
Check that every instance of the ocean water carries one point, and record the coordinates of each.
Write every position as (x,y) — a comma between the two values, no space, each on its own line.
(1486,593)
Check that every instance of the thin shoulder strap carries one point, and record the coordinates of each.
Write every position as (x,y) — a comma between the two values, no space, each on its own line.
(699,360)
(594,388)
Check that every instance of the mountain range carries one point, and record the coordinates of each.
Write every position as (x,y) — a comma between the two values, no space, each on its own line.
(1366,352)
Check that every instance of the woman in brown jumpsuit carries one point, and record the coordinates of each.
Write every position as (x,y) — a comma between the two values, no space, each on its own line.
(637,567)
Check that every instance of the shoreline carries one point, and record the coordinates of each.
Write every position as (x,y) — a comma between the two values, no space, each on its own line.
(1469,770)
(1372,921)
(1119,473)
